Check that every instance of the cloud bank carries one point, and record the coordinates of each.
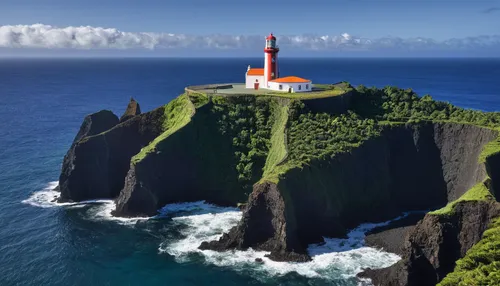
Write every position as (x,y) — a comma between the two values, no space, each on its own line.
(41,36)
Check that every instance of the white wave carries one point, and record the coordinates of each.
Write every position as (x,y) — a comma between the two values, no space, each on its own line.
(46,198)
(100,209)
(335,258)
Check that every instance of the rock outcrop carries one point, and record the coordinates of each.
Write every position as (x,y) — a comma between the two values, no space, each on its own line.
(132,110)
(412,167)
(195,163)
(437,241)
(264,226)
(97,163)
(92,124)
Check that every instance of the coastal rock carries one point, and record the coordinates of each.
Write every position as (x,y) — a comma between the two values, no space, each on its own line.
(132,110)
(92,124)
(98,161)
(436,242)
(391,237)
(263,227)
(194,163)
(413,167)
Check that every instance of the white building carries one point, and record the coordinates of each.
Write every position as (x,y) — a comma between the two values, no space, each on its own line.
(254,78)
(268,77)
(290,84)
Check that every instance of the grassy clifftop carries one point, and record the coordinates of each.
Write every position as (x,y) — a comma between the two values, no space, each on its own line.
(293,134)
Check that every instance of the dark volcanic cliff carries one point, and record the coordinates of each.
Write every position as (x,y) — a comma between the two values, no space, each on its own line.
(411,167)
(435,243)
(96,164)
(197,162)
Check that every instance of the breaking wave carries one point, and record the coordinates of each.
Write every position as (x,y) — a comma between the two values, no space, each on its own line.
(99,209)
(339,259)
(46,198)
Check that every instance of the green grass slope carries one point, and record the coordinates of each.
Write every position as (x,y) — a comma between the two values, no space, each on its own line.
(178,113)
(298,135)
(479,192)
(278,149)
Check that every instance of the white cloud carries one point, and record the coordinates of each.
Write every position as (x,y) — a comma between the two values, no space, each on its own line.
(86,37)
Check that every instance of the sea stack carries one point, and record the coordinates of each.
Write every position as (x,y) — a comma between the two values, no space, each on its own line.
(133,109)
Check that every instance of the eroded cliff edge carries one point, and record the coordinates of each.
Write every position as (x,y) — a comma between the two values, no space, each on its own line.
(98,160)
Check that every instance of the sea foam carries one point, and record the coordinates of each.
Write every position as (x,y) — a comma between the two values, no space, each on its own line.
(334,259)
(98,209)
(46,198)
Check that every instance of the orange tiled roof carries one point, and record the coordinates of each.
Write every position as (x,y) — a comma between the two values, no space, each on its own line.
(254,71)
(294,79)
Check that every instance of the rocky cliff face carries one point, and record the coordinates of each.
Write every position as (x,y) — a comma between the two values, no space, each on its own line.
(412,167)
(98,161)
(265,226)
(436,242)
(181,170)
(195,163)
(92,124)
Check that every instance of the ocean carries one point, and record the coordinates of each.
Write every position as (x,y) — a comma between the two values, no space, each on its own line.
(42,104)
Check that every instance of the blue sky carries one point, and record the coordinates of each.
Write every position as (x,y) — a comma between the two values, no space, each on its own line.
(438,20)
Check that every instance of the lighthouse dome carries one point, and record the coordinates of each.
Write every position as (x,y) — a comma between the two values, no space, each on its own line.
(271,37)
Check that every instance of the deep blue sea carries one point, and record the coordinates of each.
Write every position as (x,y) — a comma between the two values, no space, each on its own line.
(42,104)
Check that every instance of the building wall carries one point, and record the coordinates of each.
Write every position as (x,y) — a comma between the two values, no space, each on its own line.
(295,86)
(250,80)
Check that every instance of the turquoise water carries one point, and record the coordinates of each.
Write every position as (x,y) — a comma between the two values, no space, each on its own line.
(42,105)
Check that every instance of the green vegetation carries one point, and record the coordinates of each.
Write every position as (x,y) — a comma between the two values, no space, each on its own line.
(198,99)
(278,150)
(321,136)
(490,149)
(178,113)
(247,121)
(271,134)
(481,264)
(479,192)
(394,104)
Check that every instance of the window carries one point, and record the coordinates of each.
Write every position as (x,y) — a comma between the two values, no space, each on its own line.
(281,87)
(270,43)
(307,86)
(300,87)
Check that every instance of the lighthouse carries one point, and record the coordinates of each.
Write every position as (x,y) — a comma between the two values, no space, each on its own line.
(270,59)
(269,78)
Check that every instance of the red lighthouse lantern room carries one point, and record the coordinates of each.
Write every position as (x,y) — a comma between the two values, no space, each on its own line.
(271,59)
